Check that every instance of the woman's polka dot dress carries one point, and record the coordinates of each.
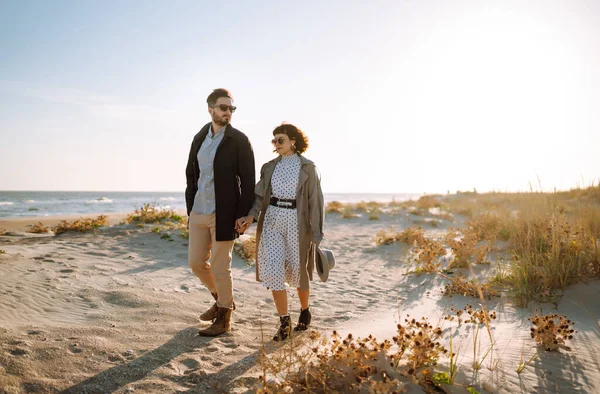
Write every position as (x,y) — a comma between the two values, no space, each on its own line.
(278,251)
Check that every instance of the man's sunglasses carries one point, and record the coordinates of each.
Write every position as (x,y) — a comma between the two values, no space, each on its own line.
(225,107)
(279,141)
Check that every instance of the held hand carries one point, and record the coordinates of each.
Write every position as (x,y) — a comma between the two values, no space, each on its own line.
(243,223)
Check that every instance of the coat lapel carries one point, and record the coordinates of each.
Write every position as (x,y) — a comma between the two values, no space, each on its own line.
(303,175)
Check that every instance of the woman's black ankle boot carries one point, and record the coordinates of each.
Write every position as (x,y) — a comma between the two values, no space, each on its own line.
(303,320)
(285,328)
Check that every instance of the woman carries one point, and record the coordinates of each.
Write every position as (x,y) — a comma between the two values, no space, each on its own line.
(289,207)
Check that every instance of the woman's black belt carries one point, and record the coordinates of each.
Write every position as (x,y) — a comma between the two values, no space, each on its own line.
(283,202)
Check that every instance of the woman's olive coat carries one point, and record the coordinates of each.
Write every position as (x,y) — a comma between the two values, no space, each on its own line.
(309,206)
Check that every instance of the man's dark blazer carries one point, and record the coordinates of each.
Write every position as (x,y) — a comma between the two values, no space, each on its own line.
(234,179)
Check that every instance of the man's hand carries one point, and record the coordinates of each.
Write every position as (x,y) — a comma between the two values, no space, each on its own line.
(243,223)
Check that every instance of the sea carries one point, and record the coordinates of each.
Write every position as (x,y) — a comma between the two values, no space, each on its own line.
(15,204)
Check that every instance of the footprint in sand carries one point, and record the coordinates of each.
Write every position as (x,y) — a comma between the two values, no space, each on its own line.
(18,352)
(205,358)
(190,363)
(229,343)
(48,261)
(67,271)
(217,363)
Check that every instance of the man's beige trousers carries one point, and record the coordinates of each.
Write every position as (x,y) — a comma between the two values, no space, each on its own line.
(215,273)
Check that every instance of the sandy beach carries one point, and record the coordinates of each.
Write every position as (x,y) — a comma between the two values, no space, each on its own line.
(116,310)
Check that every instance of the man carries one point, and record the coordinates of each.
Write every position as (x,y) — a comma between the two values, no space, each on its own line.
(220,189)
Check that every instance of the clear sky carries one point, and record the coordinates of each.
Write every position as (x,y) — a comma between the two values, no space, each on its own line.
(395,96)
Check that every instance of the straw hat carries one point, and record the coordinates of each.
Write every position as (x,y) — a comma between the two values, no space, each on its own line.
(324,261)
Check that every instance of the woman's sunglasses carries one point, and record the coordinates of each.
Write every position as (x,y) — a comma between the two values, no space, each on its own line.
(279,141)
(225,107)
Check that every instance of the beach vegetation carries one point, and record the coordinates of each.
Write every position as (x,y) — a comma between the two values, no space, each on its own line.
(427,222)
(151,213)
(38,228)
(550,331)
(2,251)
(549,240)
(418,211)
(185,233)
(334,207)
(428,202)
(245,247)
(348,213)
(408,236)
(460,285)
(82,225)
(522,363)
(361,206)
(347,364)
(374,212)
(427,253)
(466,249)
(478,318)
(167,236)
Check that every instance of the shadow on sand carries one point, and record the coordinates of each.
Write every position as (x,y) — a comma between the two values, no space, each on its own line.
(185,341)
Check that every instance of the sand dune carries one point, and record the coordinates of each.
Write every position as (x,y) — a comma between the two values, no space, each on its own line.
(117,311)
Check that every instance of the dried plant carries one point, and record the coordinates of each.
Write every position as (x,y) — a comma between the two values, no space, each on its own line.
(167,236)
(374,212)
(469,315)
(460,285)
(551,251)
(551,331)
(421,340)
(38,228)
(334,207)
(332,365)
(489,227)
(348,213)
(246,249)
(428,202)
(427,253)
(81,225)
(150,213)
(361,206)
(408,236)
(466,249)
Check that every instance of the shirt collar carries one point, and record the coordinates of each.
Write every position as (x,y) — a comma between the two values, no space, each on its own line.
(221,130)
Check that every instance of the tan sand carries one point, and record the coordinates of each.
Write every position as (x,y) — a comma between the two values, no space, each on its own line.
(117,311)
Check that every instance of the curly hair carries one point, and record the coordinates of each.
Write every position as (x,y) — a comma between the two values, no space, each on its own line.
(295,134)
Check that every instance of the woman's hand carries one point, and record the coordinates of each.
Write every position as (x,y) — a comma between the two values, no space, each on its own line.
(243,223)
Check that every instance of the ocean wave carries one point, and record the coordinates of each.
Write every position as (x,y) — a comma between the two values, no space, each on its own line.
(101,200)
(29,201)
(6,203)
(167,199)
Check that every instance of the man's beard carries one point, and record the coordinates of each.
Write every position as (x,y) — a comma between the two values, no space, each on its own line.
(221,122)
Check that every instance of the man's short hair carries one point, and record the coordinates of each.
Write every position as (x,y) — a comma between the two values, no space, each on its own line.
(217,94)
